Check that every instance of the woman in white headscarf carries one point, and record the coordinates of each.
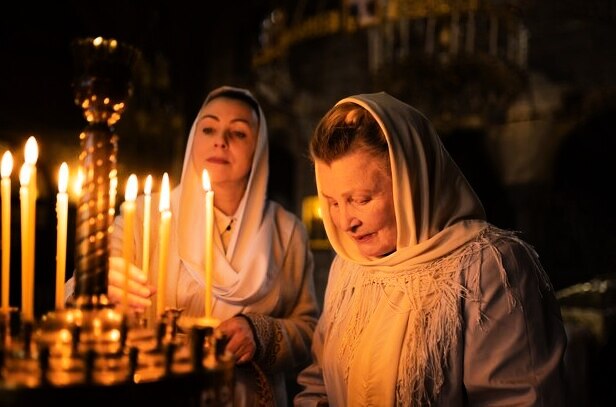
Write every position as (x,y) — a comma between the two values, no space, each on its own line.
(426,303)
(263,289)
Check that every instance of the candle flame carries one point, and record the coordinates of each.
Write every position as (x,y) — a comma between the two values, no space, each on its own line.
(148,185)
(163,205)
(113,184)
(78,182)
(31,151)
(24,175)
(63,178)
(130,194)
(207,186)
(7,164)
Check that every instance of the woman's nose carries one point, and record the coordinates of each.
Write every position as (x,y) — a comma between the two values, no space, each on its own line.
(348,221)
(221,140)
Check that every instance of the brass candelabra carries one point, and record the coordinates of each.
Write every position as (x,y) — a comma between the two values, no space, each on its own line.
(90,349)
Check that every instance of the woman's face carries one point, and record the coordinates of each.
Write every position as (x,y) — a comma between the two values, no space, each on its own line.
(359,193)
(225,140)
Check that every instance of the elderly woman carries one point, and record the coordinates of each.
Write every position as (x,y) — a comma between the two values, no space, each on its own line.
(426,303)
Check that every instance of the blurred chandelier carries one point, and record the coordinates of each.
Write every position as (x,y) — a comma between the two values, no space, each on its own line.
(460,61)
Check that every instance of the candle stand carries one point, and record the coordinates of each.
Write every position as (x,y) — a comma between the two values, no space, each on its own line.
(92,352)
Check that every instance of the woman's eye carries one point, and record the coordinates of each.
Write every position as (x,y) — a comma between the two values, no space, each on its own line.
(207,130)
(238,134)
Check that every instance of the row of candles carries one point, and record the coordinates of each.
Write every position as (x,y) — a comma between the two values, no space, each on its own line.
(28,193)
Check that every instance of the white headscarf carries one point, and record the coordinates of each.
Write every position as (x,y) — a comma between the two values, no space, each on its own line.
(431,195)
(241,276)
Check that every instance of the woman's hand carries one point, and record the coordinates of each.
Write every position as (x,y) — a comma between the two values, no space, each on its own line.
(241,339)
(139,291)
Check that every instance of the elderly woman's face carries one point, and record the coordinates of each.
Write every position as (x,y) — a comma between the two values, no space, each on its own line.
(359,195)
(225,140)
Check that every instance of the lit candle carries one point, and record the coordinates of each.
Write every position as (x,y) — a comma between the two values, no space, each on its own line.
(7,168)
(30,158)
(163,236)
(24,197)
(147,205)
(209,238)
(128,212)
(113,191)
(62,214)
(78,185)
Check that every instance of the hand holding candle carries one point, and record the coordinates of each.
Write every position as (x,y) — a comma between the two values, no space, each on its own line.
(128,212)
(209,238)
(7,168)
(147,205)
(163,235)
(62,214)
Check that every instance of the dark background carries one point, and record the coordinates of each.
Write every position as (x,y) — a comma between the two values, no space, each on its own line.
(188,48)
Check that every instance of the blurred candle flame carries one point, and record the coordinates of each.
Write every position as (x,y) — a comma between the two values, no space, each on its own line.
(163,205)
(130,194)
(63,178)
(205,179)
(7,164)
(31,153)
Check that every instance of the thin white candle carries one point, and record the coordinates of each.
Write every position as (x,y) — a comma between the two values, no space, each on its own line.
(209,238)
(128,212)
(147,208)
(62,215)
(7,168)
(30,157)
(163,236)
(24,192)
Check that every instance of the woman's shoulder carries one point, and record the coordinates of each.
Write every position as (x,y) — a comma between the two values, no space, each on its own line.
(506,259)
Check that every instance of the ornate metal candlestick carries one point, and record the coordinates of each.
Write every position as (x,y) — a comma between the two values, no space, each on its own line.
(101,87)
(90,350)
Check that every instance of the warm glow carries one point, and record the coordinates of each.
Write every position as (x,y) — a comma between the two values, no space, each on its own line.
(63,178)
(97,41)
(147,189)
(7,164)
(163,205)
(207,185)
(78,182)
(24,175)
(31,151)
(130,193)
(113,185)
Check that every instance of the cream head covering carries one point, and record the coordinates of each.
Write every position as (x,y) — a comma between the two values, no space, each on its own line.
(436,209)
(241,275)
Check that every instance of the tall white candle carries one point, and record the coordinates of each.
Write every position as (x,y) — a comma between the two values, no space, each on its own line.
(147,208)
(7,168)
(163,236)
(30,157)
(24,198)
(62,215)
(209,239)
(128,212)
